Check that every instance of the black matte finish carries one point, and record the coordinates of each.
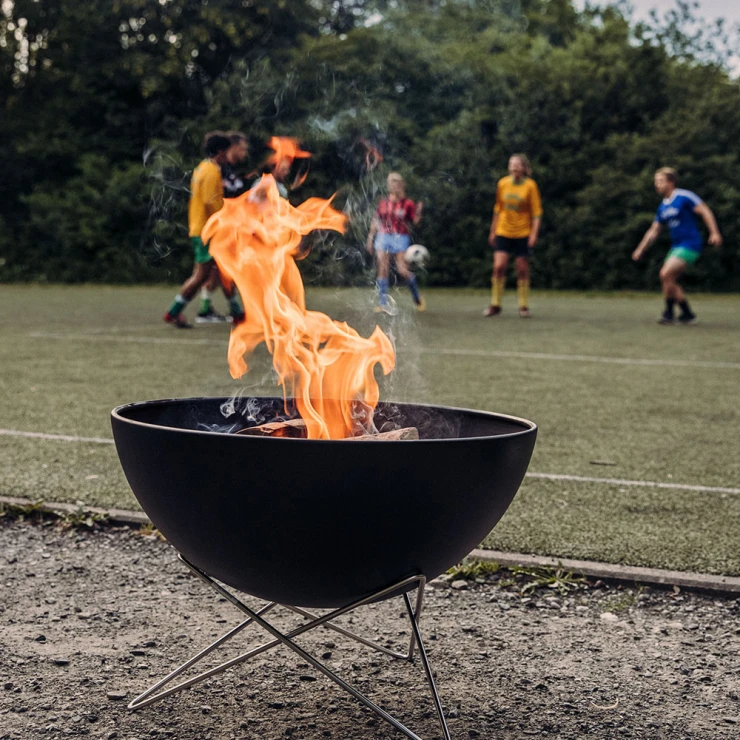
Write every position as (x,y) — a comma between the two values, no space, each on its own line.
(320,523)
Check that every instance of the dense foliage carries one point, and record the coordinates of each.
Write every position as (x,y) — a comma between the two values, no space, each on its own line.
(104,103)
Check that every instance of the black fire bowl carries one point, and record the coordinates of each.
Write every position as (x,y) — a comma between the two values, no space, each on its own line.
(318,523)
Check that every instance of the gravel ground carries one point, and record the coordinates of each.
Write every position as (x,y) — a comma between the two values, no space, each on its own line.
(91,618)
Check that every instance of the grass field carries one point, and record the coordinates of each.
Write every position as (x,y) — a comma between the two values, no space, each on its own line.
(616,397)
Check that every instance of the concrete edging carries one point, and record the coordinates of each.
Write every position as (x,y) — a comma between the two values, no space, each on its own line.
(114,516)
(725,585)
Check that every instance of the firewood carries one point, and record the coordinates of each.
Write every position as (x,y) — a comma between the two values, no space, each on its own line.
(294,428)
(394,435)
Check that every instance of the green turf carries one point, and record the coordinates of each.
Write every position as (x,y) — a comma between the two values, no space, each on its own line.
(69,354)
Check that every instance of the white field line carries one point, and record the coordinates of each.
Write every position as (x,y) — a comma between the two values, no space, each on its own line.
(55,437)
(124,339)
(544,476)
(582,358)
(636,361)
(623,482)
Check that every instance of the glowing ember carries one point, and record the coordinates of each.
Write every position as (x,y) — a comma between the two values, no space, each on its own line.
(324,364)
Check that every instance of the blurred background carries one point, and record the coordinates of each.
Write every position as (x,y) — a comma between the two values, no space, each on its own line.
(104,103)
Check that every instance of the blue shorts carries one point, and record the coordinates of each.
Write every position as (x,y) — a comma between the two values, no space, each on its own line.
(392,243)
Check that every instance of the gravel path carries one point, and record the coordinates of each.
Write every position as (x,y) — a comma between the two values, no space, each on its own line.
(90,619)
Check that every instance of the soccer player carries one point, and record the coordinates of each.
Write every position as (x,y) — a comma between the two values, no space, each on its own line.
(206,197)
(515,227)
(233,176)
(233,184)
(390,234)
(678,209)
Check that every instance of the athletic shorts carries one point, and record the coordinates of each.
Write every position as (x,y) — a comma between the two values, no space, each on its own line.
(391,243)
(201,250)
(689,256)
(515,247)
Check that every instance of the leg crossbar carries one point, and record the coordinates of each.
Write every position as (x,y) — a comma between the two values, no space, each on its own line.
(158,691)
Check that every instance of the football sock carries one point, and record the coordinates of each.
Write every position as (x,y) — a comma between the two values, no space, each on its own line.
(669,304)
(177,306)
(522,293)
(382,284)
(685,308)
(414,288)
(205,303)
(497,290)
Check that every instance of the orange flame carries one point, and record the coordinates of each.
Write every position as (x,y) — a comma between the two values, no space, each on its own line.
(287,149)
(324,364)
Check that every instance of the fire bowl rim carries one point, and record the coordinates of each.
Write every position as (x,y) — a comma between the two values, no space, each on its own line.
(529,426)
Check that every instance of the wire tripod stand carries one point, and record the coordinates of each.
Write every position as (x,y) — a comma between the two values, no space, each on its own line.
(160,690)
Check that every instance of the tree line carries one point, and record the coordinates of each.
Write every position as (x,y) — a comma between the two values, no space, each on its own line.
(105,102)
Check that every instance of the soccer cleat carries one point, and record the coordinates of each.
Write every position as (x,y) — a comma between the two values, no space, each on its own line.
(421,306)
(492,311)
(687,318)
(666,319)
(178,321)
(210,317)
(525,313)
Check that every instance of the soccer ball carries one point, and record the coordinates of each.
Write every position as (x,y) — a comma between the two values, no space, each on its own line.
(416,254)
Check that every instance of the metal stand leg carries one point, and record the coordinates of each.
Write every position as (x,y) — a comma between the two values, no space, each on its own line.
(257,617)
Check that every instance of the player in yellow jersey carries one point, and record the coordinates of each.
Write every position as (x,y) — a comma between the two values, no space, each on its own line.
(517,215)
(206,197)
(233,177)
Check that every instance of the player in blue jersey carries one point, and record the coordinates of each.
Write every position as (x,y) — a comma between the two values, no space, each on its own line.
(678,210)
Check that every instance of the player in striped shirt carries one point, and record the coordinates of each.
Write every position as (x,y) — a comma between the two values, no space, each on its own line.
(678,210)
(390,234)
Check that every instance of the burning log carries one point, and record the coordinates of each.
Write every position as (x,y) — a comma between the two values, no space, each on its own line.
(395,434)
(296,429)
(293,428)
